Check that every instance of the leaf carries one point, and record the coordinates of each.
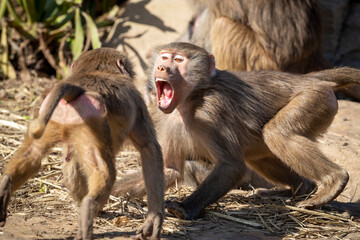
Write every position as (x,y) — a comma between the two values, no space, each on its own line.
(6,67)
(42,187)
(2,8)
(30,11)
(43,8)
(105,19)
(49,4)
(112,13)
(18,24)
(12,12)
(61,20)
(77,43)
(95,40)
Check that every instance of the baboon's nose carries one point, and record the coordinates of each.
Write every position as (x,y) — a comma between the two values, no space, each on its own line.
(161,69)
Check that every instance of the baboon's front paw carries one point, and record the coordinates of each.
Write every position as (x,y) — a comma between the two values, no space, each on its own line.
(151,228)
(177,209)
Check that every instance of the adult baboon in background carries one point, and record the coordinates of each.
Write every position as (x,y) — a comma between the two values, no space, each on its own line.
(246,35)
(268,120)
(92,112)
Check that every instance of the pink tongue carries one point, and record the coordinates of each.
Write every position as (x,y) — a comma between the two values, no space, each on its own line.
(167,90)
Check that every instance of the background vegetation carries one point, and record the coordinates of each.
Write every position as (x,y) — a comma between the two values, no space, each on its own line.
(43,36)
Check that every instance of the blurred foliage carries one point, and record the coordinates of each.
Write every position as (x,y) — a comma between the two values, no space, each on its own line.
(46,35)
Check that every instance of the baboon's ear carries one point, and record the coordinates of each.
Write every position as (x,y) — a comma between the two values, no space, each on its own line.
(122,67)
(212,65)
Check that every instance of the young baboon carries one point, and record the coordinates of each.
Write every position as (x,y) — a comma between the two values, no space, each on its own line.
(268,120)
(92,112)
(246,35)
(259,35)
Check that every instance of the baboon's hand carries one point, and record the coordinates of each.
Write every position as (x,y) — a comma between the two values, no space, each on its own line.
(151,228)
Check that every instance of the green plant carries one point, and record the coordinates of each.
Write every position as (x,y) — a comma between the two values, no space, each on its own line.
(42,187)
(56,30)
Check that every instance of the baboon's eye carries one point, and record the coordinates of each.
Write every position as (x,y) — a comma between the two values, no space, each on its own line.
(179,58)
(165,56)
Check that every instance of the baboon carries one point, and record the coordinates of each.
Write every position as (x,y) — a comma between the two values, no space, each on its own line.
(259,35)
(245,35)
(267,120)
(92,112)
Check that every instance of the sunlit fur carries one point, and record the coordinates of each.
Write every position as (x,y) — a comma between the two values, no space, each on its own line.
(260,34)
(267,120)
(104,77)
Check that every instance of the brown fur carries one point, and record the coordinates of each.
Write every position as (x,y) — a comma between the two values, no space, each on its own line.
(267,120)
(94,133)
(283,35)
(246,35)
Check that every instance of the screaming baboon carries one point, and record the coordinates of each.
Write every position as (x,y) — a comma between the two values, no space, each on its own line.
(268,120)
(283,35)
(92,113)
(246,35)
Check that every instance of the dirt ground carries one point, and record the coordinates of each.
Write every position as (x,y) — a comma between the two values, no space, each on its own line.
(42,209)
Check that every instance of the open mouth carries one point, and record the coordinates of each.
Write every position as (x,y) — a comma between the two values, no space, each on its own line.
(165,93)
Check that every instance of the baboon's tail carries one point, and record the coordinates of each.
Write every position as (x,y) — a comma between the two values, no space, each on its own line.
(339,77)
(61,90)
